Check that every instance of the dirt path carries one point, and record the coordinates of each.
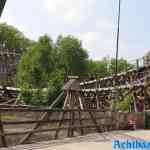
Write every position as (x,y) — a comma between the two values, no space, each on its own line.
(89,142)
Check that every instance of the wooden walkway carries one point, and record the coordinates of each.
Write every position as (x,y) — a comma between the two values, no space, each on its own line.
(84,141)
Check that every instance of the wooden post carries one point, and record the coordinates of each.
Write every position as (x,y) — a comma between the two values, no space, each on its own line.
(66,100)
(62,115)
(69,115)
(72,123)
(137,63)
(80,101)
(80,121)
(95,122)
(2,133)
(97,100)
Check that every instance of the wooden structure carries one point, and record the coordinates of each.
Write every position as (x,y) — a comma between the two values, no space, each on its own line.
(73,98)
(9,96)
(8,63)
(83,100)
(99,93)
(147,59)
(104,90)
(72,122)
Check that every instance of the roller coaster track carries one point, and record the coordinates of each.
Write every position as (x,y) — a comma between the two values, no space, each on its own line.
(100,93)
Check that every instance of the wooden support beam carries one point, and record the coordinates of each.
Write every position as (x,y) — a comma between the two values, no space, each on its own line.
(80,122)
(72,117)
(62,116)
(26,137)
(2,133)
(95,122)
(80,102)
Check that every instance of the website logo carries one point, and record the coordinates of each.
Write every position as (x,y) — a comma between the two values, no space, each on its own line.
(131,145)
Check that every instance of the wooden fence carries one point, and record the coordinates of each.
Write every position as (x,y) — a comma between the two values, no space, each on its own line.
(27,125)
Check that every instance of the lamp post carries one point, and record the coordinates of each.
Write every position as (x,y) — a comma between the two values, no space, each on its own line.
(118,35)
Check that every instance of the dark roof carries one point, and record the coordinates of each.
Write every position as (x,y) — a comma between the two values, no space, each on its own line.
(2,4)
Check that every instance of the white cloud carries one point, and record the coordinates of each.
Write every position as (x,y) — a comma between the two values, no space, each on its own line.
(70,11)
(97,44)
(100,41)
(10,20)
(99,34)
(85,19)
(100,44)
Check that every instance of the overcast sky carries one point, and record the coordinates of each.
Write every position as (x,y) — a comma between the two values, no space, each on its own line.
(92,21)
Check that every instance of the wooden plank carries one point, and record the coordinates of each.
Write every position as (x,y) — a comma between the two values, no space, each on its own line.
(57,100)
(44,110)
(26,137)
(66,100)
(97,100)
(128,86)
(62,115)
(80,121)
(2,133)
(95,122)
(71,124)
(46,130)
(45,121)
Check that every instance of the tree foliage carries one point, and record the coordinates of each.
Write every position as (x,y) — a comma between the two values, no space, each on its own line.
(12,39)
(106,66)
(71,54)
(100,67)
(42,67)
(123,104)
(36,68)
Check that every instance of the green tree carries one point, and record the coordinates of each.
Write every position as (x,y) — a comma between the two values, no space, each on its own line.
(100,67)
(123,65)
(37,71)
(123,104)
(37,64)
(72,56)
(106,66)
(12,39)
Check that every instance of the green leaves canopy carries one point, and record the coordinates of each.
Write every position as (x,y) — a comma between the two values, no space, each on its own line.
(42,67)
(72,55)
(12,39)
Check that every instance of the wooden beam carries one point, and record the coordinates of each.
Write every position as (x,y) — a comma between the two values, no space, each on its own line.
(3,139)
